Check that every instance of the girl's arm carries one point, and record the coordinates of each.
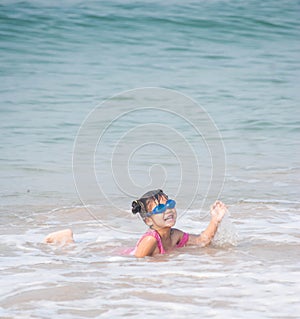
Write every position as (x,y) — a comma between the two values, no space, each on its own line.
(146,247)
(218,210)
(205,237)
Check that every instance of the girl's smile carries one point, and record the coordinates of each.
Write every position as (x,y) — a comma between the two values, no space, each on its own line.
(169,216)
(166,219)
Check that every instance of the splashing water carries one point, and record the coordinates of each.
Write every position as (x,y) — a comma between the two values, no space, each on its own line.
(227,234)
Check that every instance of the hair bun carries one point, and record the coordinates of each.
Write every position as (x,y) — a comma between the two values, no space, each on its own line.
(136,207)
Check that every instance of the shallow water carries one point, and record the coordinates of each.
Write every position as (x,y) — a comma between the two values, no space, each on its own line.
(258,277)
(240,62)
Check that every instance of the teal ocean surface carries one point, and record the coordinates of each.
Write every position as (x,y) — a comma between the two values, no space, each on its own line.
(240,62)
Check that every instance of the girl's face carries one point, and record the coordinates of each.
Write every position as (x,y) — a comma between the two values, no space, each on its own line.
(166,219)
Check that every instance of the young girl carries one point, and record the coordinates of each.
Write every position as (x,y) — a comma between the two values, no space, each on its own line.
(159,213)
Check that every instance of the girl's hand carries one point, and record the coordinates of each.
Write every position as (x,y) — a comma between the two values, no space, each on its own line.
(217,211)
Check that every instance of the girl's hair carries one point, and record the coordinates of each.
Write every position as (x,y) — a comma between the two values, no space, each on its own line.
(141,205)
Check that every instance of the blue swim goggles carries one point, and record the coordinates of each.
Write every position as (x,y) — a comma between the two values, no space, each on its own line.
(161,208)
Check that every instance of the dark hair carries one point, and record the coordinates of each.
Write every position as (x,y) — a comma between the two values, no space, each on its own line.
(140,205)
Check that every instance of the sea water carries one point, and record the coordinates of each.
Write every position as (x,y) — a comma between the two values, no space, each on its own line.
(239,61)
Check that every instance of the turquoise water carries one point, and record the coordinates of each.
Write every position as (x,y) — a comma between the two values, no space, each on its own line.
(239,60)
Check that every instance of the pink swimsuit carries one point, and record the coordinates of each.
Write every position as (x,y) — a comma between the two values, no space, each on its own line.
(155,234)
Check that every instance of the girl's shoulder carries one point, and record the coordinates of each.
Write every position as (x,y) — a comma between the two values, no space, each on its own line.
(148,244)
(149,234)
(179,237)
(176,232)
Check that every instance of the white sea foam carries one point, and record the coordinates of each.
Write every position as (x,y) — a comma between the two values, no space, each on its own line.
(226,233)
